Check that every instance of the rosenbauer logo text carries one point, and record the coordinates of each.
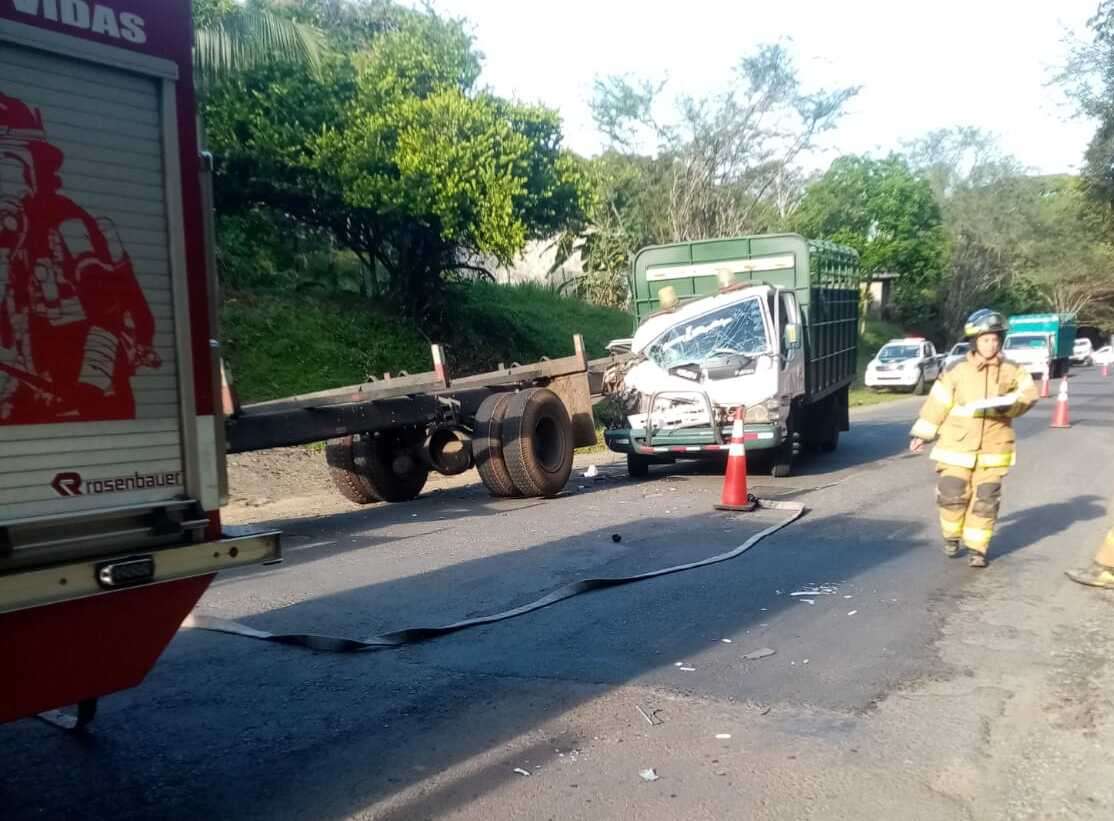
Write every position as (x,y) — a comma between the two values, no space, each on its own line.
(71,483)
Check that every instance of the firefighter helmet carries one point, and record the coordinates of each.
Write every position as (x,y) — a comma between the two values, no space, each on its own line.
(984,321)
(23,139)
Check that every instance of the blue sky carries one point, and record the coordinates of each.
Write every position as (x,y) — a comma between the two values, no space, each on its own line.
(922,65)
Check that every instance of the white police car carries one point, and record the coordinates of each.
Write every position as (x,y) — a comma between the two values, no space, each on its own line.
(904,363)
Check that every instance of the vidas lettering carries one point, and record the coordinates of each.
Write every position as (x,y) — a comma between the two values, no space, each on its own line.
(95,17)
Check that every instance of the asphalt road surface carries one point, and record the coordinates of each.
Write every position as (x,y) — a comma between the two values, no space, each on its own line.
(908,686)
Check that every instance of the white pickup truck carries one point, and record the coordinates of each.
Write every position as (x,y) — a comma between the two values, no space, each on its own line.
(904,363)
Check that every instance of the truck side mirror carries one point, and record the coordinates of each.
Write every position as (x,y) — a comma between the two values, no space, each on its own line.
(792,335)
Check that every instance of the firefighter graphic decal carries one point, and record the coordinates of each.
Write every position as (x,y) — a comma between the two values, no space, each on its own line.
(74,323)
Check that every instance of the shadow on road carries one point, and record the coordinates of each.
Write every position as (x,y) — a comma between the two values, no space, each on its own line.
(228,727)
(1030,526)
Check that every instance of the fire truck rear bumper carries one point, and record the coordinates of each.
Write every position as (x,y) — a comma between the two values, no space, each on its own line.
(80,630)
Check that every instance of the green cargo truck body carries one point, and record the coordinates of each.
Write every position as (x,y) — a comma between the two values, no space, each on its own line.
(768,323)
(1042,342)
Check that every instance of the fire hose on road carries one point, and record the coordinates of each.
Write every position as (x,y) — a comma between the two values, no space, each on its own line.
(411,635)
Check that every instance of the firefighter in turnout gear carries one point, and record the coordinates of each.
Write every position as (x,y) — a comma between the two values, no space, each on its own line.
(1101,571)
(974,437)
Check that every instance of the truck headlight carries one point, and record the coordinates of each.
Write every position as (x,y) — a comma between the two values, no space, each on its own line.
(758,413)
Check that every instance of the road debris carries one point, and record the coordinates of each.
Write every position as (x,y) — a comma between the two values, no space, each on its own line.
(723,736)
(848,596)
(651,718)
(616,537)
(521,771)
(817,590)
(852,612)
(805,661)
(726,641)
(754,655)
(687,669)
(592,472)
(807,601)
(649,775)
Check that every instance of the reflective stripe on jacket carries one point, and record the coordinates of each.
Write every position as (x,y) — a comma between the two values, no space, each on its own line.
(968,436)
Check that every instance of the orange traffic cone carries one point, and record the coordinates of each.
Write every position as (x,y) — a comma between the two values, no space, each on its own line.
(1060,416)
(1044,386)
(230,402)
(735,495)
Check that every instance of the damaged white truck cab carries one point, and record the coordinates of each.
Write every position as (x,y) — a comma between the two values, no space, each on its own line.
(766,323)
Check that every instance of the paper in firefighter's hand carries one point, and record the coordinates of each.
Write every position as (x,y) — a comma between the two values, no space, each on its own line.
(994,402)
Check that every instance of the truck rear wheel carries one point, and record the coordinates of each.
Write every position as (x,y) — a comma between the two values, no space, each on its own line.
(487,447)
(375,469)
(352,484)
(537,442)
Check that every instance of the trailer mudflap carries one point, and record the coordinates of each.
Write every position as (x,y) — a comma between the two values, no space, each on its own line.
(72,632)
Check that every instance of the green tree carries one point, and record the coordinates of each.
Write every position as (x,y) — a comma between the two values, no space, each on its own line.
(891,217)
(624,214)
(399,156)
(987,214)
(1088,78)
(883,210)
(1066,253)
(732,153)
(230,37)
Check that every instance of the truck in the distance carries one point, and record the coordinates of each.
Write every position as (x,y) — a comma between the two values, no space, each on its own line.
(765,323)
(1041,343)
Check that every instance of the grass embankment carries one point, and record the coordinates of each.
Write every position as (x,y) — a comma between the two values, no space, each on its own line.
(282,344)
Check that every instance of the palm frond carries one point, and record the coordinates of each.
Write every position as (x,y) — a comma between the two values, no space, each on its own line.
(249,37)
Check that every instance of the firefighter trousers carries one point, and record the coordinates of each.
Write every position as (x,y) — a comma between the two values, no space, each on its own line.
(1105,556)
(968,501)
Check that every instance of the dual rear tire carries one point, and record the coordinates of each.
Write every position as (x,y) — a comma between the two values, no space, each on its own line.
(523,443)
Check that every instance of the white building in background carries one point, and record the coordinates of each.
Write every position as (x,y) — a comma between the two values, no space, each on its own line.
(535,264)
(880,287)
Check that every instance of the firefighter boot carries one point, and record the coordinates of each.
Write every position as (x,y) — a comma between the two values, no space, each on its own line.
(952,548)
(1097,575)
(976,559)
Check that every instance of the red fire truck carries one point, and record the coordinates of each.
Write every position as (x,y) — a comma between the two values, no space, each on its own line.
(112,438)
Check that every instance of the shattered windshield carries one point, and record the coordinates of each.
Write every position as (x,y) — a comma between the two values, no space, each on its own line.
(736,329)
